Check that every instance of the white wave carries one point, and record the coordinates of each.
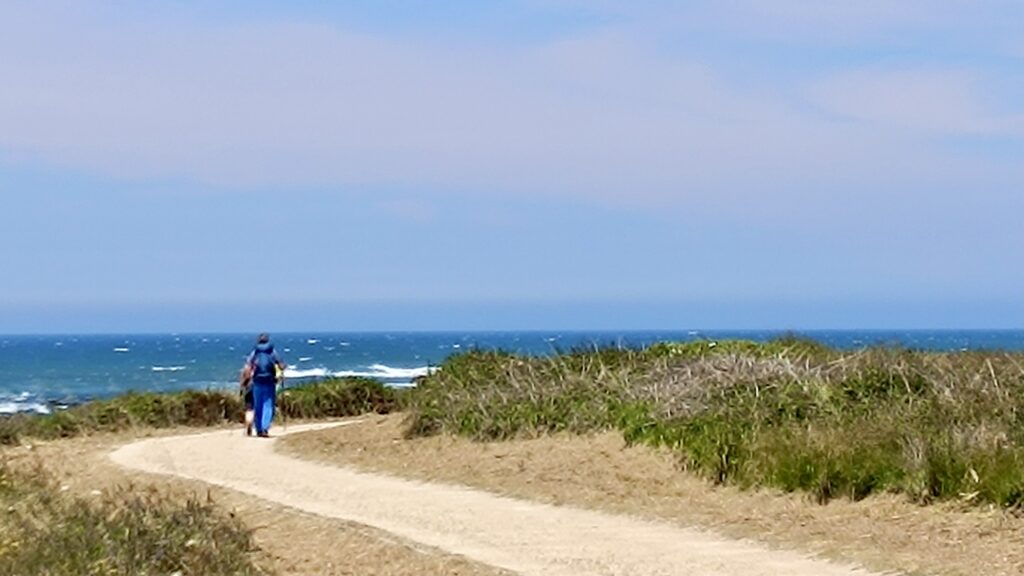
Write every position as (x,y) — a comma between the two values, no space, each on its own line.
(374,371)
(382,371)
(122,349)
(402,372)
(166,368)
(355,374)
(15,407)
(310,373)
(305,359)
(312,341)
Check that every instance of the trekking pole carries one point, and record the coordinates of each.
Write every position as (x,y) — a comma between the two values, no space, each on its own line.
(284,412)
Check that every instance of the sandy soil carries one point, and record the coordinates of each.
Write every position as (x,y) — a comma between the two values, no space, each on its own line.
(885,533)
(517,535)
(289,541)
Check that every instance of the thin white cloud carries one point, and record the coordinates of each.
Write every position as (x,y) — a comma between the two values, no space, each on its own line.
(603,114)
(943,101)
(307,104)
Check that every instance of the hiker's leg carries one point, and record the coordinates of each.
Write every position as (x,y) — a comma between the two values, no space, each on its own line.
(259,403)
(268,406)
(263,399)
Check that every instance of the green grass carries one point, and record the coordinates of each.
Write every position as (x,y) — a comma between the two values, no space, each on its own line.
(338,398)
(44,532)
(327,399)
(788,413)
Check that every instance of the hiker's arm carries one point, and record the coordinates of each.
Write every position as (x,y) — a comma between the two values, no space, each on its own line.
(280,364)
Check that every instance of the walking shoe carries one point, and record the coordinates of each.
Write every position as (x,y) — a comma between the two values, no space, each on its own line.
(248,429)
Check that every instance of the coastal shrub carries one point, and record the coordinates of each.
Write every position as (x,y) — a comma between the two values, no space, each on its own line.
(337,398)
(489,395)
(789,345)
(131,410)
(150,409)
(788,413)
(46,532)
(197,408)
(711,444)
(827,462)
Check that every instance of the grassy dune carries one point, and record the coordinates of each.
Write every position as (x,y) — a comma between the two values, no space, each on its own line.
(788,413)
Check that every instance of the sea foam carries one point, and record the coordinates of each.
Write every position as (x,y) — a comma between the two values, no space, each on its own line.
(15,408)
(381,371)
(308,373)
(22,403)
(166,368)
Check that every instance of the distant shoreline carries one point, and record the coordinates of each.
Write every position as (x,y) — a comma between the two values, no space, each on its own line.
(56,371)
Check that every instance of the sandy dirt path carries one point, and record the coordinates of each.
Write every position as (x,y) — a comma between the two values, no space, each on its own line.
(525,537)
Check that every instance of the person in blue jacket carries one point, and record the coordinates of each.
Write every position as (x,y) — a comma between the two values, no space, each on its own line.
(264,365)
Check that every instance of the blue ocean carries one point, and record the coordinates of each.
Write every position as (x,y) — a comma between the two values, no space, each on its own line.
(45,373)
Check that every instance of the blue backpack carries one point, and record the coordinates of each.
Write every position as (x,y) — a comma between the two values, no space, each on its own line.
(263,362)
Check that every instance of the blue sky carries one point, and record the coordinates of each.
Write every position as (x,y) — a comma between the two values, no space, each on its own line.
(448,165)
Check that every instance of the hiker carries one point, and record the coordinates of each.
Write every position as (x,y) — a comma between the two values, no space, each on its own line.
(245,389)
(264,365)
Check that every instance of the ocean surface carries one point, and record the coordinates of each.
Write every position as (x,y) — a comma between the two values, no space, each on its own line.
(45,373)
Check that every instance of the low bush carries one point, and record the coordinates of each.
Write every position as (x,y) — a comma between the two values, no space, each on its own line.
(788,413)
(337,398)
(493,395)
(326,399)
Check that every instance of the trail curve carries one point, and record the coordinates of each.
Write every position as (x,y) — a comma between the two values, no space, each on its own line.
(525,537)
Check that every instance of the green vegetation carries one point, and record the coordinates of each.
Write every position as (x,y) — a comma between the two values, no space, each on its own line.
(788,413)
(330,398)
(46,532)
(337,398)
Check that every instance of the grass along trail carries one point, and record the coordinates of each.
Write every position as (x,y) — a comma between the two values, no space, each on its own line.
(524,537)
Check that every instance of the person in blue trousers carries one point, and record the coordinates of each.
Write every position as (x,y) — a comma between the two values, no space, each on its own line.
(264,365)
